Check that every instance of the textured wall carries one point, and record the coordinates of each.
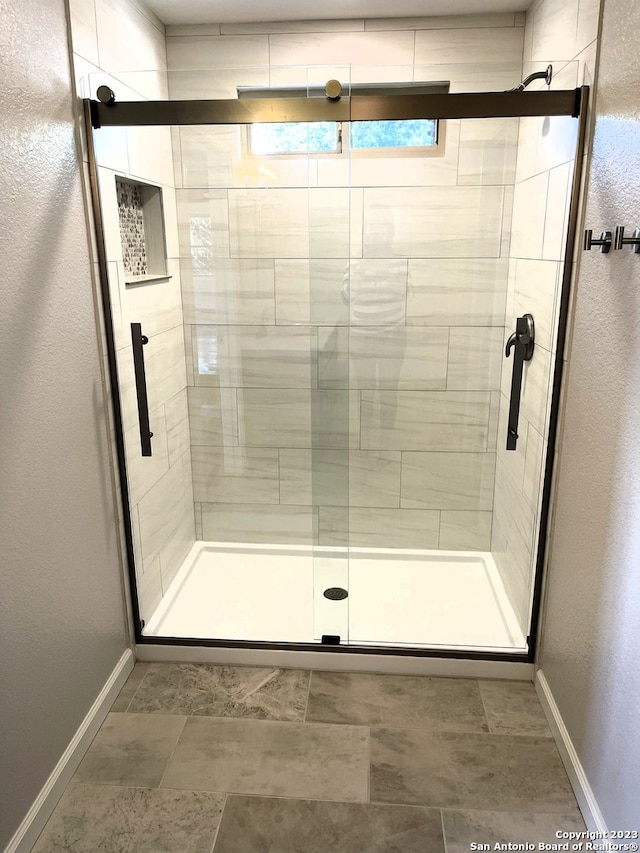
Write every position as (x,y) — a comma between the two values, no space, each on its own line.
(61,614)
(590,638)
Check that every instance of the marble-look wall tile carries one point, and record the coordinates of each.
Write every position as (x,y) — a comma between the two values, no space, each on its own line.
(239,291)
(338,26)
(150,154)
(163,508)
(374,478)
(424,420)
(293,418)
(376,527)
(554,28)
(489,76)
(258,523)
(465,530)
(155,305)
(203,229)
(442,22)
(507,218)
(149,588)
(533,474)
(481,45)
(176,414)
(534,290)
(209,155)
(457,292)
(433,222)
(399,357)
(289,223)
(529,208)
(143,472)
(475,358)
(213,416)
(341,48)
(312,291)
(207,83)
(183,536)
(356,223)
(255,356)
(296,483)
(556,219)
(127,39)
(235,474)
(488,150)
(207,52)
(447,481)
(84,35)
(536,389)
(376,291)
(587,28)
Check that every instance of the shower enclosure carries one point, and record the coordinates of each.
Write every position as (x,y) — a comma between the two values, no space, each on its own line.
(335,321)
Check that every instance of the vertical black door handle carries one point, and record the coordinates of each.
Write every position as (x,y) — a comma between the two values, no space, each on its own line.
(137,342)
(522,342)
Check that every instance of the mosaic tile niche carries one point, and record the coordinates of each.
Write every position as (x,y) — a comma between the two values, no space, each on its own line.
(134,251)
(141,230)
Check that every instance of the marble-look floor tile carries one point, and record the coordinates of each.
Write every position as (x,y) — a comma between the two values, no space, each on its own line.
(223,691)
(258,824)
(112,819)
(276,759)
(478,771)
(131,749)
(130,686)
(442,704)
(512,707)
(461,828)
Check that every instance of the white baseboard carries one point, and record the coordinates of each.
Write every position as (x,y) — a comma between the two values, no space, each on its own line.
(575,771)
(338,661)
(34,822)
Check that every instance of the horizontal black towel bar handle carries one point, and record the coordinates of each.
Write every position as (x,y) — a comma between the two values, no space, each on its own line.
(138,340)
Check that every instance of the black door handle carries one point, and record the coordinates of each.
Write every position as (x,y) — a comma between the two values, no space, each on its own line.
(522,341)
(137,342)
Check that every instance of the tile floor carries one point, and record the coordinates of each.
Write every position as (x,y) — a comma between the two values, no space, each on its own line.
(196,758)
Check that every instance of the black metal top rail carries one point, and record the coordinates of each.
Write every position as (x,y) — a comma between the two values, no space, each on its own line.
(565,102)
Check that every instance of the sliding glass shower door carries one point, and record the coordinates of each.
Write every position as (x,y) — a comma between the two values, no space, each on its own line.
(323,325)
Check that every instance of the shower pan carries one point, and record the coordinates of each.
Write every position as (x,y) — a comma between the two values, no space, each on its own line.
(335,324)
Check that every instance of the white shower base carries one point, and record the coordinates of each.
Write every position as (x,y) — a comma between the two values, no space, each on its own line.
(433,599)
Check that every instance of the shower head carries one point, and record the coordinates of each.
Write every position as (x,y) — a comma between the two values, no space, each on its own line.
(538,75)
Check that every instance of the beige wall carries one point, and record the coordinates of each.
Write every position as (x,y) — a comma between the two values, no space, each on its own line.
(590,642)
(62,622)
(122,44)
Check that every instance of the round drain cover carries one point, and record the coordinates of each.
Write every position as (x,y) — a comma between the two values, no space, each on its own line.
(335,593)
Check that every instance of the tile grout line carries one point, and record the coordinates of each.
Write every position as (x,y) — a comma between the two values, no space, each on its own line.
(215,836)
(126,710)
(444,835)
(484,709)
(175,746)
(306,707)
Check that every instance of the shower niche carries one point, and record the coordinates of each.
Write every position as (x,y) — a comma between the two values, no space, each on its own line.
(142,230)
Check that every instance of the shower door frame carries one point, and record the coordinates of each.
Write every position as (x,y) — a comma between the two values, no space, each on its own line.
(518,104)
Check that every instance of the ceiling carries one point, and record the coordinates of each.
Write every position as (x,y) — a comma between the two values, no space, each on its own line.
(245,11)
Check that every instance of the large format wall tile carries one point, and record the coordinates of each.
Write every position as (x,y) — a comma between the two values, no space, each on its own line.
(457,292)
(475,358)
(164,507)
(213,415)
(310,291)
(206,52)
(447,480)
(293,418)
(259,523)
(464,530)
(203,226)
(424,420)
(432,222)
(254,356)
(534,290)
(374,478)
(238,291)
(378,527)
(488,149)
(289,223)
(236,474)
(529,208)
(341,48)
(482,45)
